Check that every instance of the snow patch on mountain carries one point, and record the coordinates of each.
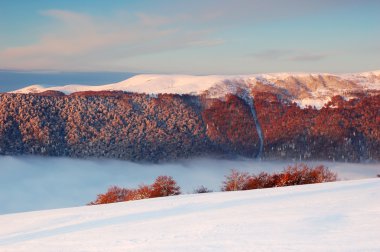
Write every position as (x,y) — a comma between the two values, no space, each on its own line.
(304,88)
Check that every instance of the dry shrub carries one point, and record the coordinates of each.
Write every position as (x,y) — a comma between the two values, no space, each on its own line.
(236,181)
(163,186)
(298,174)
(202,189)
(113,194)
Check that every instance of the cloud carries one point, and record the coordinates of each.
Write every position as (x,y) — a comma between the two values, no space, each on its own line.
(230,12)
(271,54)
(209,42)
(67,16)
(288,55)
(75,41)
(83,42)
(152,20)
(308,57)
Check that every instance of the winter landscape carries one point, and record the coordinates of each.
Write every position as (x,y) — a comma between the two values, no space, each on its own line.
(190,126)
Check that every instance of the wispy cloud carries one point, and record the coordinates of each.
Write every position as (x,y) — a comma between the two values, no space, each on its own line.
(271,54)
(208,42)
(288,55)
(128,39)
(227,11)
(80,41)
(309,57)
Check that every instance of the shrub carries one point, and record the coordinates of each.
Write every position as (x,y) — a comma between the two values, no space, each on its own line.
(143,192)
(202,189)
(262,180)
(113,194)
(298,174)
(162,186)
(236,181)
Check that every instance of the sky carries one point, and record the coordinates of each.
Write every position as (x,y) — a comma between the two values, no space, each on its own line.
(190,37)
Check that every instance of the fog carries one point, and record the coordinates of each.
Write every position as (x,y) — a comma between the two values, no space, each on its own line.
(36,183)
(12,80)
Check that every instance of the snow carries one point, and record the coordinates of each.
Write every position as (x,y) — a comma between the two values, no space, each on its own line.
(317,102)
(340,216)
(144,83)
(223,84)
(36,183)
(368,80)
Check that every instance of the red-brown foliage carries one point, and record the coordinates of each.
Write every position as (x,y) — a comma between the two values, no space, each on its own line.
(51,93)
(230,125)
(236,181)
(113,194)
(162,187)
(341,130)
(299,174)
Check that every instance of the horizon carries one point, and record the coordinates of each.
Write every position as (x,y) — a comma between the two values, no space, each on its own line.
(11,80)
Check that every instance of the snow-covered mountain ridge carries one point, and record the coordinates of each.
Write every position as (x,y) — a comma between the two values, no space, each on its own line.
(339,216)
(304,88)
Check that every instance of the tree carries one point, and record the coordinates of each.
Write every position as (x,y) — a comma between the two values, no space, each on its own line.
(235,181)
(165,186)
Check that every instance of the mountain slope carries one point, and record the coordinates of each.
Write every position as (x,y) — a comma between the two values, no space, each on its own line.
(134,126)
(341,216)
(304,88)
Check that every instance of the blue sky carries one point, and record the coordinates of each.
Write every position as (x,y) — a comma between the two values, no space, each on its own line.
(192,37)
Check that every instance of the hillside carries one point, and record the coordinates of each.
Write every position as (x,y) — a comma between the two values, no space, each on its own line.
(340,216)
(134,126)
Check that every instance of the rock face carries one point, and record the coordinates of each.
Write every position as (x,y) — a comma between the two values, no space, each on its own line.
(165,127)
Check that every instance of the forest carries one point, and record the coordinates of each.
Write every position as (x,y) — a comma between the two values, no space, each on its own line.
(156,128)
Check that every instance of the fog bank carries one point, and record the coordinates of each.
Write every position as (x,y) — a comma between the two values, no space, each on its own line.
(36,183)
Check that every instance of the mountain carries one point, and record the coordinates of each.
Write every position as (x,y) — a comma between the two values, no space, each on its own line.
(338,216)
(167,117)
(306,89)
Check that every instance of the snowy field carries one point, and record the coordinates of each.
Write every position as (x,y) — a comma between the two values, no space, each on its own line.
(35,183)
(339,216)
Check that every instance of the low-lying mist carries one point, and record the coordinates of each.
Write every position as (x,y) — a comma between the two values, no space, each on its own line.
(35,183)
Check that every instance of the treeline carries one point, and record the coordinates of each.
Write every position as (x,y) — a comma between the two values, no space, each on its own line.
(135,126)
(163,186)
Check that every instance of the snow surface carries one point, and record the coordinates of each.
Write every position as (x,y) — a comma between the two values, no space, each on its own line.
(220,85)
(340,216)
